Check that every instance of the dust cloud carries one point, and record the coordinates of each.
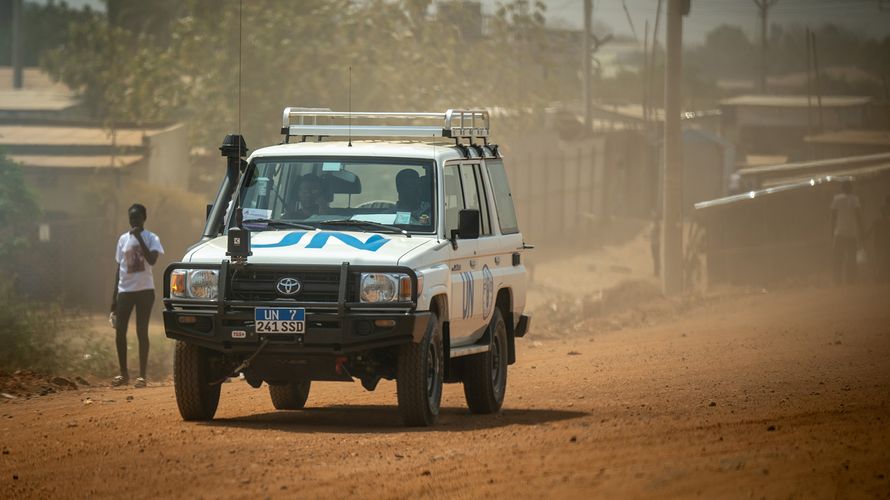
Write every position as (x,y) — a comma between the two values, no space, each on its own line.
(127,102)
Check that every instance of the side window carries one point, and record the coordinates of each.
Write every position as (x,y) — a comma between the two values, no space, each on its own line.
(474,196)
(503,199)
(454,198)
(483,199)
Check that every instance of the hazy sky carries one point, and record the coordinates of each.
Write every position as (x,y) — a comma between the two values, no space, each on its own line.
(864,16)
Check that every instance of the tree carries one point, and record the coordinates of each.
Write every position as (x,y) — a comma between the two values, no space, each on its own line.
(298,55)
(18,210)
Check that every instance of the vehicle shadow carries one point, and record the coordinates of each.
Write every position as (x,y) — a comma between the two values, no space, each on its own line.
(385,419)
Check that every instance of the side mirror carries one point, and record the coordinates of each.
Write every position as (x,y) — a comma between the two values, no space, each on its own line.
(468,222)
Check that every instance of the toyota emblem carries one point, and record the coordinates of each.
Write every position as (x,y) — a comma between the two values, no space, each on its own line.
(289,286)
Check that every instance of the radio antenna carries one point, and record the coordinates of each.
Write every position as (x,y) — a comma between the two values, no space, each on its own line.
(349,105)
(240,10)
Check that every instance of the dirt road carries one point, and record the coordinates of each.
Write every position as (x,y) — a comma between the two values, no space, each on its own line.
(776,395)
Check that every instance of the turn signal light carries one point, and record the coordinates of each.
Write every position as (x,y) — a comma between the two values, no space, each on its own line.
(177,284)
(405,288)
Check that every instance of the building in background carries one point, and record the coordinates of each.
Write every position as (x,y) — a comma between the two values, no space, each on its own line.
(777,124)
(84,176)
(843,143)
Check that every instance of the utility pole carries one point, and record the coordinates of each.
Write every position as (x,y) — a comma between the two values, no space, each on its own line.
(818,80)
(18,53)
(644,76)
(651,90)
(763,6)
(588,37)
(672,202)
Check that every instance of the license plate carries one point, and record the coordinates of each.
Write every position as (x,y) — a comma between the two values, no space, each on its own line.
(280,320)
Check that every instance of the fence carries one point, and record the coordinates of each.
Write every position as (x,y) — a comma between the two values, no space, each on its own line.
(566,193)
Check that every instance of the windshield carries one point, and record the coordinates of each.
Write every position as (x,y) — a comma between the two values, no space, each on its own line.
(311,192)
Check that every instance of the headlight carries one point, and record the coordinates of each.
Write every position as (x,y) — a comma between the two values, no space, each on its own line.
(194,283)
(203,284)
(385,287)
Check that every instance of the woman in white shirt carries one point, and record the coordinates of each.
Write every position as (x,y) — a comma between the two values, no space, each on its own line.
(137,250)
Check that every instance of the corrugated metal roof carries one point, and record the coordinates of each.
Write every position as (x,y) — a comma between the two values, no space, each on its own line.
(792,183)
(833,163)
(40,93)
(760,193)
(795,101)
(36,100)
(860,137)
(75,162)
(63,136)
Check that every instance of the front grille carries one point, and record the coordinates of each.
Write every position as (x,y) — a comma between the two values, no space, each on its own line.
(260,285)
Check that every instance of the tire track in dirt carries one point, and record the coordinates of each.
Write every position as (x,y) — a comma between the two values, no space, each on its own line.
(779,394)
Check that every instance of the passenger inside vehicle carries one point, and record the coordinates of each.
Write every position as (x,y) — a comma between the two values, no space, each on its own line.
(312,198)
(410,189)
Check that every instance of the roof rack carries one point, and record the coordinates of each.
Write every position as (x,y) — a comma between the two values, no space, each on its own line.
(456,124)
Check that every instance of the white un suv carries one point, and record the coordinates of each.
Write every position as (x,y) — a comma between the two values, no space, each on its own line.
(335,259)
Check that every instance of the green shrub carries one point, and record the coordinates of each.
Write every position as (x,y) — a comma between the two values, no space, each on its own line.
(30,333)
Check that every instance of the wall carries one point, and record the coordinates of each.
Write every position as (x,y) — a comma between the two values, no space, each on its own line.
(168,157)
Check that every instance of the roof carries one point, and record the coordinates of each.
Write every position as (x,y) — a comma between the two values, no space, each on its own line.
(760,193)
(70,147)
(795,101)
(817,165)
(39,92)
(763,161)
(76,162)
(791,184)
(35,100)
(46,135)
(851,172)
(635,112)
(858,137)
(397,149)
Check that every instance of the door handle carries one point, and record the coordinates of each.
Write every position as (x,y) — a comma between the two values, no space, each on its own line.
(473,263)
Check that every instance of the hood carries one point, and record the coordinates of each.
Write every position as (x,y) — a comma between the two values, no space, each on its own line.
(314,247)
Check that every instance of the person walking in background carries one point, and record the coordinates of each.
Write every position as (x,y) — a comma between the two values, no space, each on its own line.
(137,250)
(847,231)
(880,230)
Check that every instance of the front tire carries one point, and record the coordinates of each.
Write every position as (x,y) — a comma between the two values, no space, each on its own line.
(485,375)
(290,396)
(196,398)
(419,379)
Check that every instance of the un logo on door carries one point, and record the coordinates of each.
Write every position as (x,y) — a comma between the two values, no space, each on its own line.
(487,292)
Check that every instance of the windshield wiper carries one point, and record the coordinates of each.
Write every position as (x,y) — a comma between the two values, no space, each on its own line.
(279,223)
(365,223)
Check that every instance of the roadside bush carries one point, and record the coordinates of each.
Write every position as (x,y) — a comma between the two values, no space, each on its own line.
(30,333)
(47,339)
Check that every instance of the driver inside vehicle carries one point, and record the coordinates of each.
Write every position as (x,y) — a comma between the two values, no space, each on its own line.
(312,198)
(410,190)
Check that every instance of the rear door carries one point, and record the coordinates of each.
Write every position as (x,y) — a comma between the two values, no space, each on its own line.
(472,292)
(508,270)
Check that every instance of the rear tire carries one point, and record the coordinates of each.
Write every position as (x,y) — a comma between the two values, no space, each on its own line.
(419,379)
(195,397)
(485,375)
(290,396)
